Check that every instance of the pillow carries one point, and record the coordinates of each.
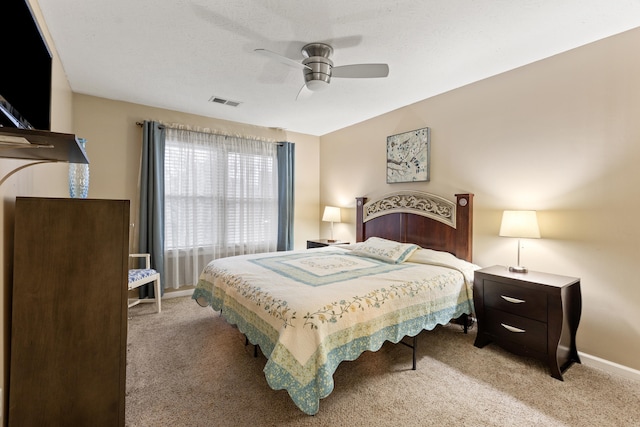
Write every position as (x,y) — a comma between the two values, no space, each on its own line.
(385,250)
(429,256)
(433,257)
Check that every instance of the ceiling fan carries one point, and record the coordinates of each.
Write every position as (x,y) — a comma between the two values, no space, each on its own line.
(318,69)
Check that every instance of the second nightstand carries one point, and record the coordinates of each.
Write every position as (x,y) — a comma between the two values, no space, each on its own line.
(532,314)
(318,243)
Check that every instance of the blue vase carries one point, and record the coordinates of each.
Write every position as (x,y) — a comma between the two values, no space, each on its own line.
(79,176)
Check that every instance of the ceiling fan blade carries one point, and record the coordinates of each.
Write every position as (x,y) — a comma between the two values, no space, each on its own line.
(281,58)
(304,93)
(361,71)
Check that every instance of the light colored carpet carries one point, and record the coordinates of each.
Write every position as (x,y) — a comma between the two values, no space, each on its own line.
(188,367)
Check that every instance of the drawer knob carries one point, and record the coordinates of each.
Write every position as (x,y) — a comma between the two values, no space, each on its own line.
(513,300)
(512,328)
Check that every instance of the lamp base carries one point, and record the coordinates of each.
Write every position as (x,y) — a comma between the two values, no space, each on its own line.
(518,269)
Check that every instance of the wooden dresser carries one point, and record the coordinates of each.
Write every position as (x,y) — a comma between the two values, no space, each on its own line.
(532,314)
(69,312)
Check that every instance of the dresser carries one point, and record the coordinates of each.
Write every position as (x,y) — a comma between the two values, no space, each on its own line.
(319,243)
(531,314)
(69,312)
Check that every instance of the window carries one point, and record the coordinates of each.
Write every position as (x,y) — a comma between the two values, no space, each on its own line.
(221,199)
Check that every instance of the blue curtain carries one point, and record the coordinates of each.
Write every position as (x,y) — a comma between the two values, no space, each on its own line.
(286,155)
(152,201)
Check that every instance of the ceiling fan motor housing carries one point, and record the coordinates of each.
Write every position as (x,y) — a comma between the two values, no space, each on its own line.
(318,74)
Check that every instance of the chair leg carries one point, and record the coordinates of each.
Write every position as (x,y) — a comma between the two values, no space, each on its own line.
(158,295)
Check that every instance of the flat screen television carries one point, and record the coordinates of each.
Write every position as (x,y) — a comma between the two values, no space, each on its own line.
(25,69)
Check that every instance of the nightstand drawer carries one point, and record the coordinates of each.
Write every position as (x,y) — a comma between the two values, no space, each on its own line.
(520,330)
(516,299)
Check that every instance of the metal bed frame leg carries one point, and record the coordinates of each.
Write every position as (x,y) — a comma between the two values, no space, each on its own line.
(415,346)
(465,320)
(255,346)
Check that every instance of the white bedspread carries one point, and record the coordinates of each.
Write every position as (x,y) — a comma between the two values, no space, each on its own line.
(309,310)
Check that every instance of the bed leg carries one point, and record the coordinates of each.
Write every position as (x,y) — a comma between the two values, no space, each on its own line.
(255,346)
(465,319)
(415,346)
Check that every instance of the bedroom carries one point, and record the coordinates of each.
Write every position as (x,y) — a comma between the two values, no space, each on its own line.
(559,136)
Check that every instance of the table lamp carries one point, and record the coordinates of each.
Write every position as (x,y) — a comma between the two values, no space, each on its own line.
(520,224)
(331,214)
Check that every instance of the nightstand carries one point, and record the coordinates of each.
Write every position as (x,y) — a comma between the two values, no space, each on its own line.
(531,314)
(318,243)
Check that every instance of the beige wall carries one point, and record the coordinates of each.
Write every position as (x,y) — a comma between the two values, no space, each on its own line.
(561,136)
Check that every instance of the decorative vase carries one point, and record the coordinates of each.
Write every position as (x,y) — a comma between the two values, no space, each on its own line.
(79,176)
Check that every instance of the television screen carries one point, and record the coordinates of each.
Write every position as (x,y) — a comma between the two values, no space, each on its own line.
(25,73)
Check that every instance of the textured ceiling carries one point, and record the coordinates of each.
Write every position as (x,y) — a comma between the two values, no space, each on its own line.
(177,54)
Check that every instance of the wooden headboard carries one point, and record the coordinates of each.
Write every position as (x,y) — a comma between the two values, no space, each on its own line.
(425,219)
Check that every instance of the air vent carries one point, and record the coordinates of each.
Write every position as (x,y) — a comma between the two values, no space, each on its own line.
(223,101)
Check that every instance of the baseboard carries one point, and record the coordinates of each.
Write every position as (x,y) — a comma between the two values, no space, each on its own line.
(609,367)
(175,294)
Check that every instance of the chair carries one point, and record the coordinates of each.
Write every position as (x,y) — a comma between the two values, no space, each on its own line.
(142,276)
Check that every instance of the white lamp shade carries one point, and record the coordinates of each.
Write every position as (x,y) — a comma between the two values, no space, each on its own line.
(331,214)
(521,224)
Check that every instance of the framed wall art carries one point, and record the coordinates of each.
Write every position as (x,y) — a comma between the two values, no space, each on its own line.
(408,156)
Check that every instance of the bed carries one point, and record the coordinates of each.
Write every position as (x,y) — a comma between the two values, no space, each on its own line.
(308,310)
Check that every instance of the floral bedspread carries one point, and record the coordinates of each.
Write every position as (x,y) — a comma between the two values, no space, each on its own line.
(309,310)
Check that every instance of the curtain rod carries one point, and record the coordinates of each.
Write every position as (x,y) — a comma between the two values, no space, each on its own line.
(213,132)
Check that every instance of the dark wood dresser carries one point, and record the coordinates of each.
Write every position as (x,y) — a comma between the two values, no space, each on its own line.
(531,314)
(69,312)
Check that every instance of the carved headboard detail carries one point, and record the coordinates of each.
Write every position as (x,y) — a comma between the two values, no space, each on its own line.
(414,202)
(418,217)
